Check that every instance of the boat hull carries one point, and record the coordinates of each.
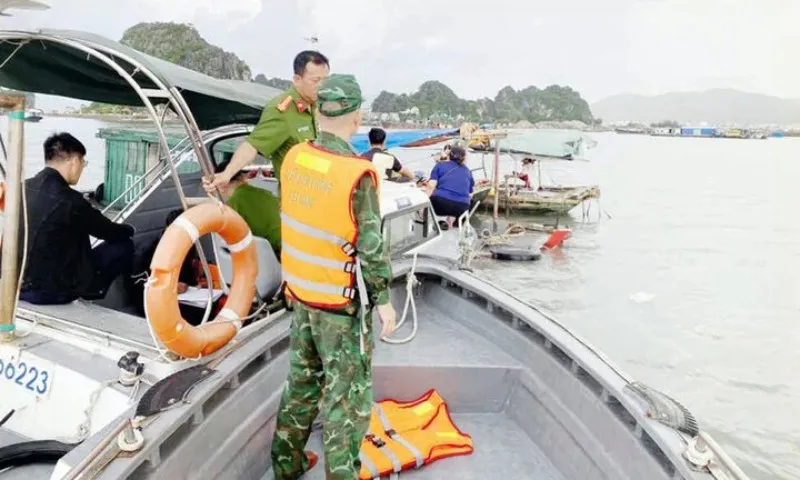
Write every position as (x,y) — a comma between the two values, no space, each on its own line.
(537,401)
(546,201)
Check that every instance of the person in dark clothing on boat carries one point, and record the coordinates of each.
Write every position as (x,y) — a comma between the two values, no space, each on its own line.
(452,184)
(377,145)
(188,276)
(61,265)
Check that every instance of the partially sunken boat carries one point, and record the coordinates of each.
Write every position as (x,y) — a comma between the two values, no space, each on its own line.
(512,196)
(544,201)
(89,392)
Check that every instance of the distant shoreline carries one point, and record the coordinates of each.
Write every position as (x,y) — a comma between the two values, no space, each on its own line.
(120,117)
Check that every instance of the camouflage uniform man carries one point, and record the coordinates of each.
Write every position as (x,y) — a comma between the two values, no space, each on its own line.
(287,120)
(332,242)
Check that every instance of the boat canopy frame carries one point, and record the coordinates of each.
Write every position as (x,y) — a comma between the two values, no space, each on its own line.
(86,66)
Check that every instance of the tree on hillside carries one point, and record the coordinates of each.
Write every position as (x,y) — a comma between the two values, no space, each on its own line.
(436,100)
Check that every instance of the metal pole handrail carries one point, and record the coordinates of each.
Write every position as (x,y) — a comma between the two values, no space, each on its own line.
(101,53)
(9,282)
(178,103)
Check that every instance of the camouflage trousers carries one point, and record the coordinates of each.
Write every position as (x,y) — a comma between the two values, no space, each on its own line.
(325,362)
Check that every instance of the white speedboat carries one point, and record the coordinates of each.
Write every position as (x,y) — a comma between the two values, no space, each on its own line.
(88,392)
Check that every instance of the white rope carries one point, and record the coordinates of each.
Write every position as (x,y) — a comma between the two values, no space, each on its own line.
(85,427)
(24,259)
(238,323)
(411,282)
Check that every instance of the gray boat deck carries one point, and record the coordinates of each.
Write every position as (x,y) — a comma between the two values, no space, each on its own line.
(502,451)
(476,379)
(535,404)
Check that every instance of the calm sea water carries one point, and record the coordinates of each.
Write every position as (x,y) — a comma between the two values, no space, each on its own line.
(691,286)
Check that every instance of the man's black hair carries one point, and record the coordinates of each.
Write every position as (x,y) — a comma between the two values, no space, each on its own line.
(308,56)
(224,164)
(376,136)
(60,146)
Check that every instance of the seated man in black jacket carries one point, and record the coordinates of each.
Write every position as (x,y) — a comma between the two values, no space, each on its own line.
(61,264)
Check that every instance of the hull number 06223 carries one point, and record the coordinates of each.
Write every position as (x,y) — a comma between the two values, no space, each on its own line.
(30,374)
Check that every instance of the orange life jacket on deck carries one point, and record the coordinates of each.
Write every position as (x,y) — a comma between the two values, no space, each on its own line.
(318,230)
(405,435)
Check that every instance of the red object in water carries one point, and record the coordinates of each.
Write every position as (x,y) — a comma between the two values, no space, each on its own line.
(557,238)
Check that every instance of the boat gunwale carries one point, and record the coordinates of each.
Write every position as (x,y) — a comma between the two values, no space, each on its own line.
(163,425)
(68,327)
(580,352)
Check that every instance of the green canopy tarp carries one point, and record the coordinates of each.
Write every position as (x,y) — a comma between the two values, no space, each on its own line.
(549,143)
(36,62)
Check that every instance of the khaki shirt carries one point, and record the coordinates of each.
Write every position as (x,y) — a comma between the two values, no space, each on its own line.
(283,124)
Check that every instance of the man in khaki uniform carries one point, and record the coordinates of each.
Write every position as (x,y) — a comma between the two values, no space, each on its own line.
(288,119)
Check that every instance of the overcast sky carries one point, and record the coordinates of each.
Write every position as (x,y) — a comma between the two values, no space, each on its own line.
(599,47)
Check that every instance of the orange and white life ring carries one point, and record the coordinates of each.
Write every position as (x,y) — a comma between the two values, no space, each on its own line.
(161,292)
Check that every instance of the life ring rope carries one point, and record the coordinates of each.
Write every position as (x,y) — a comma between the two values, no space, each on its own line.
(161,297)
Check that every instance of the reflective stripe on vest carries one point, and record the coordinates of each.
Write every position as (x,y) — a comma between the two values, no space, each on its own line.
(348,267)
(346,292)
(318,227)
(409,435)
(387,427)
(397,466)
(367,463)
(347,247)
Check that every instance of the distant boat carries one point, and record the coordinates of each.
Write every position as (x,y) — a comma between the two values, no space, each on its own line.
(33,115)
(665,131)
(631,130)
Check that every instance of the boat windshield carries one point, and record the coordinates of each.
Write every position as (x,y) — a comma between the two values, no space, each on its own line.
(408,229)
(223,149)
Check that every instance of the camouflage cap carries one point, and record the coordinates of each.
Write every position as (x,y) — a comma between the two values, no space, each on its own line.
(339,95)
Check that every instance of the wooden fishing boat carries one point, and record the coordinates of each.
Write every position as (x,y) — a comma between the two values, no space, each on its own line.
(546,200)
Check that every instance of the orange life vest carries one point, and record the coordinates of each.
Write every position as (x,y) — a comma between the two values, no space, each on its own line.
(318,229)
(405,435)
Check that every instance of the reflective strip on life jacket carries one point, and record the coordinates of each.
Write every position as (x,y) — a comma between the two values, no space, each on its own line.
(347,247)
(328,288)
(387,427)
(315,260)
(380,444)
(367,463)
(406,435)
